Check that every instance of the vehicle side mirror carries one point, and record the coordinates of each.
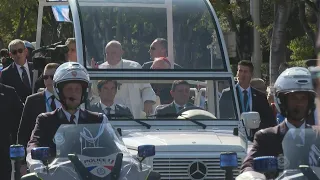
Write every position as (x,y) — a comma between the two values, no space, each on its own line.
(17,152)
(41,153)
(251,120)
(146,151)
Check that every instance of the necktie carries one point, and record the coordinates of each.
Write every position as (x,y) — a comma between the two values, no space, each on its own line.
(245,101)
(25,78)
(108,110)
(298,140)
(53,104)
(72,118)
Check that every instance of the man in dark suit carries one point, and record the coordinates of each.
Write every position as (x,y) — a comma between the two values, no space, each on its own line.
(249,98)
(180,92)
(45,101)
(107,91)
(71,82)
(10,111)
(18,74)
(158,48)
(294,97)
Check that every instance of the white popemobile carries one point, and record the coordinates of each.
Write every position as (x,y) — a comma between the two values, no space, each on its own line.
(191,146)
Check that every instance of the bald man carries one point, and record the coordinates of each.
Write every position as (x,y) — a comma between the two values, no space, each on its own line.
(161,63)
(133,95)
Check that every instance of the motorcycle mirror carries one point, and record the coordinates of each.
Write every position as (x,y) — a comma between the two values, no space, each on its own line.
(146,151)
(41,153)
(17,152)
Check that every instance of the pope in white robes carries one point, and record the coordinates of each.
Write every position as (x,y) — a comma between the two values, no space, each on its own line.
(139,97)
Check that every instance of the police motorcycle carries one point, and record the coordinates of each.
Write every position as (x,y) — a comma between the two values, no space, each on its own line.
(300,159)
(88,152)
(95,24)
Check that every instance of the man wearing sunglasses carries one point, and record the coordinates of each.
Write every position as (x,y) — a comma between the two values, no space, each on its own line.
(158,48)
(18,74)
(43,101)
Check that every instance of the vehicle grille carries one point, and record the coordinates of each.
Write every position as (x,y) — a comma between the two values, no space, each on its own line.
(178,168)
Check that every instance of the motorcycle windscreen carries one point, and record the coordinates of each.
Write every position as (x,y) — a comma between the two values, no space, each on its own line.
(99,151)
(300,147)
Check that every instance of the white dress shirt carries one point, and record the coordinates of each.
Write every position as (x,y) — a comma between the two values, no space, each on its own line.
(132,95)
(292,129)
(49,100)
(26,67)
(249,96)
(112,107)
(178,106)
(68,115)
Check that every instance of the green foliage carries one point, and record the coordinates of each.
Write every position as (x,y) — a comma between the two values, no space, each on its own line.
(301,48)
(18,19)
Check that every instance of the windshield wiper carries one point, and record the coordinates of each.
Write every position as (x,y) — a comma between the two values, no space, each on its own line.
(197,123)
(148,126)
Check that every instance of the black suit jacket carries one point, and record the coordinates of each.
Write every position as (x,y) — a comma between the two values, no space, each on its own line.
(268,142)
(10,111)
(147,65)
(29,116)
(168,111)
(121,112)
(48,123)
(11,77)
(259,104)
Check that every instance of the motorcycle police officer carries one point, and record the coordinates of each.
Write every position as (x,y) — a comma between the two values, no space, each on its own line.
(70,81)
(294,99)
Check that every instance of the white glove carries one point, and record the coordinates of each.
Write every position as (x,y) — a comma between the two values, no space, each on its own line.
(37,168)
(251,175)
(34,165)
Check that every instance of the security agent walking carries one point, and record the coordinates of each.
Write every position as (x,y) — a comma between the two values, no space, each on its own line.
(294,99)
(10,111)
(70,83)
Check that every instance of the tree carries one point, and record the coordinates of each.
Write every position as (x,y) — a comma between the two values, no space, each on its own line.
(278,42)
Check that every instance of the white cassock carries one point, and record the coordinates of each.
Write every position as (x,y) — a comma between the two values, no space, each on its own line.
(132,95)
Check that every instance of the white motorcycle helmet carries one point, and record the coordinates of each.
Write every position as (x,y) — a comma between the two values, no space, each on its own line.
(295,79)
(70,72)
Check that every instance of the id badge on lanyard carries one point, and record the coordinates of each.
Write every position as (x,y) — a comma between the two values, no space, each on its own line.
(242,100)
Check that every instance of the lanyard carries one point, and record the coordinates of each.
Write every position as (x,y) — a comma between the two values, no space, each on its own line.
(242,100)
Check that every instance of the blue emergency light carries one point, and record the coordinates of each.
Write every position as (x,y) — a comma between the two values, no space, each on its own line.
(40,153)
(228,160)
(265,164)
(17,152)
(146,151)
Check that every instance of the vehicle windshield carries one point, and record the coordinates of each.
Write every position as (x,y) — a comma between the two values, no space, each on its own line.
(300,147)
(82,139)
(125,98)
(185,32)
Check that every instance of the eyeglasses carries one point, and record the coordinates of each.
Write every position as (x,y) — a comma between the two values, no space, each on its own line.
(45,77)
(14,52)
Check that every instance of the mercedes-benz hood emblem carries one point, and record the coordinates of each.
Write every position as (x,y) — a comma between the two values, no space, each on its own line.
(197,170)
